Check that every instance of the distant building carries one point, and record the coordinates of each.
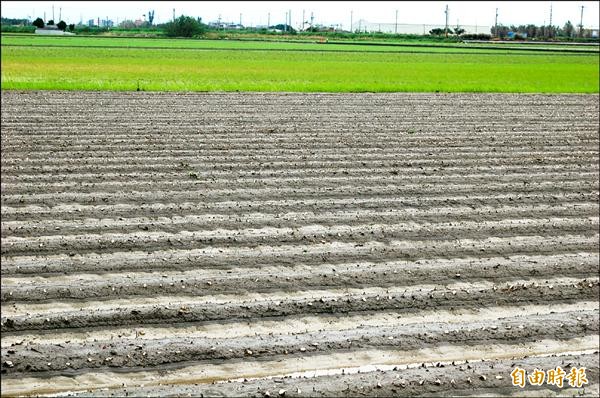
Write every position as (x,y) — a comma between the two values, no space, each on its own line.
(591,32)
(225,25)
(107,23)
(91,23)
(52,30)
(511,35)
(321,28)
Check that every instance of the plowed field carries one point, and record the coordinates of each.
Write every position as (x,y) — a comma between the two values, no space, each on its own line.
(297,244)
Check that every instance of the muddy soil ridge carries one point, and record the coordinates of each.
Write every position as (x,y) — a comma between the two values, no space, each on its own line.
(281,244)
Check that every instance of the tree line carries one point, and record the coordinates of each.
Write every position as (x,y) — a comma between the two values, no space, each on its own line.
(62,25)
(186,26)
(539,32)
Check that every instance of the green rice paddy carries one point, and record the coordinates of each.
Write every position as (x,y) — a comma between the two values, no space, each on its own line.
(96,63)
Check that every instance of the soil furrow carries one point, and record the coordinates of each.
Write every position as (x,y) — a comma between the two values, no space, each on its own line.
(210,221)
(350,232)
(315,171)
(202,282)
(289,255)
(173,243)
(177,310)
(150,353)
(190,180)
(243,208)
(317,190)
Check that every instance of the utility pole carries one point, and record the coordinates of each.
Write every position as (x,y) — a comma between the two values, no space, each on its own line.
(446,30)
(53,12)
(303,20)
(268,20)
(173,15)
(549,34)
(396,28)
(285,26)
(60,14)
(290,17)
(240,19)
(496,24)
(351,12)
(312,18)
(581,23)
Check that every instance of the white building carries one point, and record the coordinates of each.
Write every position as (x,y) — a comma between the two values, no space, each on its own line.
(52,30)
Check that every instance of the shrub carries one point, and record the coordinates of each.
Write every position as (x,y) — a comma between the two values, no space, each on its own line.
(62,25)
(183,27)
(476,36)
(18,29)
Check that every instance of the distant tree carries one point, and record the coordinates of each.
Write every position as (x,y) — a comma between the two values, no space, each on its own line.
(551,31)
(62,25)
(502,31)
(150,16)
(531,30)
(437,32)
(127,24)
(459,31)
(183,27)
(71,27)
(51,22)
(38,23)
(568,29)
(14,21)
(285,28)
(476,36)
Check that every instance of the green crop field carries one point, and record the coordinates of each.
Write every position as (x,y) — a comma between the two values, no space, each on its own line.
(95,63)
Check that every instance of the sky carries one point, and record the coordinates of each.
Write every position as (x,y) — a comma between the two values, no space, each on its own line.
(325,12)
